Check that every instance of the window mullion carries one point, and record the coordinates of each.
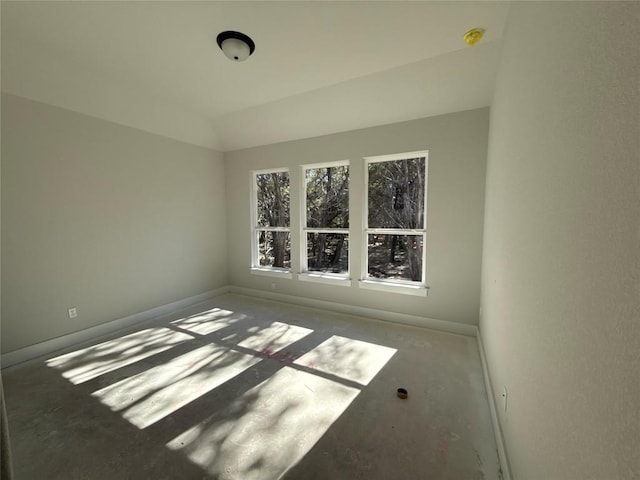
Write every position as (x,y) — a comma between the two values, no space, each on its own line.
(327,230)
(274,229)
(395,231)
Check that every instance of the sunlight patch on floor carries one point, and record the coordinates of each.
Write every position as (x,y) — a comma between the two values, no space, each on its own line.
(350,359)
(208,322)
(160,391)
(268,429)
(126,392)
(91,362)
(275,337)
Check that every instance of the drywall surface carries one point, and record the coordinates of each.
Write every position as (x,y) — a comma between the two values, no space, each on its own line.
(101,217)
(561,265)
(457,145)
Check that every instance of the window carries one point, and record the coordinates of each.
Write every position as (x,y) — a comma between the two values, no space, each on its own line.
(325,230)
(395,219)
(271,247)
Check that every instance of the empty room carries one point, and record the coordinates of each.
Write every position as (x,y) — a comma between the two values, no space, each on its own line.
(320,240)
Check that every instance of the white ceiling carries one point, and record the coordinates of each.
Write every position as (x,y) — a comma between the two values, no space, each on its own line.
(318,68)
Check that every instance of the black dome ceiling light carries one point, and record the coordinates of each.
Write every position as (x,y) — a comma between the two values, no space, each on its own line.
(236,46)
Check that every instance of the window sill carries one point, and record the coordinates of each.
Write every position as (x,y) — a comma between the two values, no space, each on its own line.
(392,287)
(271,272)
(327,279)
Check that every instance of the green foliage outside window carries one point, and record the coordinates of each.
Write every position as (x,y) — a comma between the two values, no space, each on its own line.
(327,207)
(396,196)
(273,210)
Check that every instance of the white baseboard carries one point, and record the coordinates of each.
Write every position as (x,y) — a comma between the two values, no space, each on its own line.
(401,318)
(502,451)
(49,346)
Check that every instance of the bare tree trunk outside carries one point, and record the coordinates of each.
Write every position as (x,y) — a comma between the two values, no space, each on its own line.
(320,252)
(279,238)
(392,250)
(335,260)
(279,243)
(414,250)
(414,254)
(324,220)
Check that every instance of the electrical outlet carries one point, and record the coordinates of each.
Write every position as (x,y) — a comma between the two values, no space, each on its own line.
(73,312)
(504,398)
(273,286)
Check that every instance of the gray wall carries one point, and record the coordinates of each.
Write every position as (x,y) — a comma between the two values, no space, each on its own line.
(102,217)
(457,145)
(561,261)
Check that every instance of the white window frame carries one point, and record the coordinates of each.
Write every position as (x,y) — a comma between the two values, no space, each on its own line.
(391,284)
(305,274)
(256,268)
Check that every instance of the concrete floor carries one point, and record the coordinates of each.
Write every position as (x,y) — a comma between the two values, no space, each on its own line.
(244,389)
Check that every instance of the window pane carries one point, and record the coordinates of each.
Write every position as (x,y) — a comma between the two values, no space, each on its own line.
(328,197)
(328,252)
(274,249)
(395,256)
(396,194)
(273,199)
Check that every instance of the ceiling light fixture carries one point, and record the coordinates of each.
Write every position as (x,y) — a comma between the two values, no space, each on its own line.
(236,46)
(473,36)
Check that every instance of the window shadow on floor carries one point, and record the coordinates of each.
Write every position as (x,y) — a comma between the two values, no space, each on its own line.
(216,394)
